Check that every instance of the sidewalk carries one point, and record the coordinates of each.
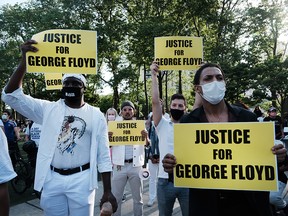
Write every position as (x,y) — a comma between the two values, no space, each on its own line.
(32,207)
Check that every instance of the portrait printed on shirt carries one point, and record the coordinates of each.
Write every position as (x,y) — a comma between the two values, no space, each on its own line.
(72,130)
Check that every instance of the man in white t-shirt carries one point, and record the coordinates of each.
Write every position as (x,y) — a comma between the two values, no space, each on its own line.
(73,146)
(6,174)
(166,192)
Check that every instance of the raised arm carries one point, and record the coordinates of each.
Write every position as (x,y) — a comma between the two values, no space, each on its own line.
(16,79)
(156,103)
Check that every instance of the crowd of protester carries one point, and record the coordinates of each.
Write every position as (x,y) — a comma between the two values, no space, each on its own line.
(72,138)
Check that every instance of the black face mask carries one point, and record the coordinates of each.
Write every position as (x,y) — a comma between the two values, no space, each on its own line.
(176,114)
(71,93)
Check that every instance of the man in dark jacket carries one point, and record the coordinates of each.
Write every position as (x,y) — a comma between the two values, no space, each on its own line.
(210,84)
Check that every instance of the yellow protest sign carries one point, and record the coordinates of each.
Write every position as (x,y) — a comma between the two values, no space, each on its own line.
(178,52)
(126,132)
(64,51)
(53,81)
(225,156)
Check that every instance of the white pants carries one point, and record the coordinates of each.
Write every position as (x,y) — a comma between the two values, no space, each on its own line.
(67,195)
(122,174)
(153,168)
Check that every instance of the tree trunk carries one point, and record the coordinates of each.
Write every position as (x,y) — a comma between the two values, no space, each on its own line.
(145,91)
(115,98)
(180,82)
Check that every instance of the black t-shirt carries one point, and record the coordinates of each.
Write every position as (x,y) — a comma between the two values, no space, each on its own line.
(258,113)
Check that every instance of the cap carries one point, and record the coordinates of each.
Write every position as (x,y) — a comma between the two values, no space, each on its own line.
(76,76)
(127,103)
(272,109)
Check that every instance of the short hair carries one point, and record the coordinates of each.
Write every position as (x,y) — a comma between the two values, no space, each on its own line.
(198,73)
(178,96)
(8,112)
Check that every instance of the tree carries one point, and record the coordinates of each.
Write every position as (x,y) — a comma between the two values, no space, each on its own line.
(243,39)
(265,55)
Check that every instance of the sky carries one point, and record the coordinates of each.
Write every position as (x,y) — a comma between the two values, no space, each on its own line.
(12,2)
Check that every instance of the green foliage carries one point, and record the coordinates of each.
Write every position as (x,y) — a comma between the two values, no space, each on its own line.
(106,102)
(243,39)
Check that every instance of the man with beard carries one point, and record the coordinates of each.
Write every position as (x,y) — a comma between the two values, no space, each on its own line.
(73,144)
(166,192)
(127,163)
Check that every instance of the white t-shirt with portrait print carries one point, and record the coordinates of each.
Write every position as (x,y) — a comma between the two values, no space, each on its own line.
(74,139)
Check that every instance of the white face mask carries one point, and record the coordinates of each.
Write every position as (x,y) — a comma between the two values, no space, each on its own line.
(4,117)
(111,117)
(214,92)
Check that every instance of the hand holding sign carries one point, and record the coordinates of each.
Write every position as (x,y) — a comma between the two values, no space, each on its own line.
(154,68)
(169,162)
(280,151)
(27,46)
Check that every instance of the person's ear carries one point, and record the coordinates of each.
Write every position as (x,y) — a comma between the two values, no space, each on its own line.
(197,89)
